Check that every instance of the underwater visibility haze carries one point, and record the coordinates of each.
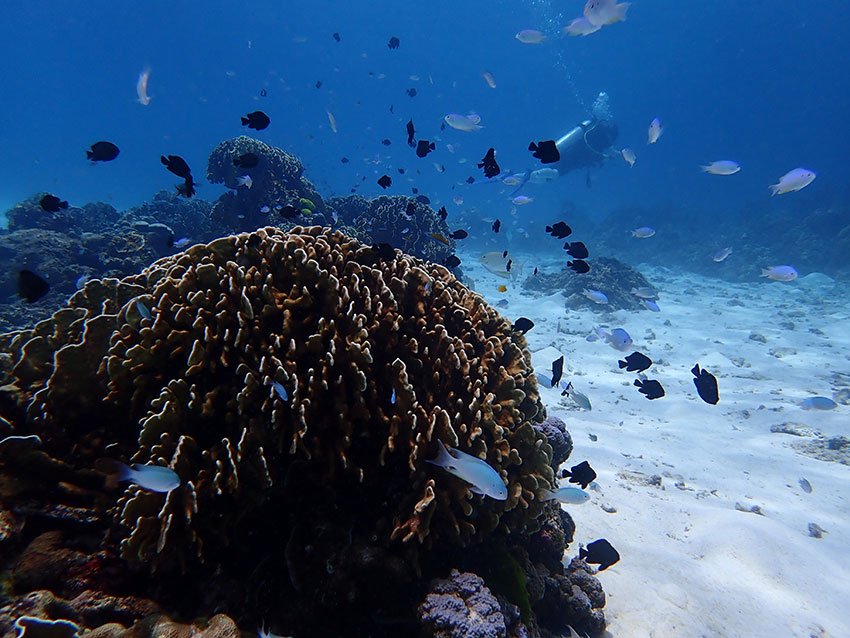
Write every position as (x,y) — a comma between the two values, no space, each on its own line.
(439,319)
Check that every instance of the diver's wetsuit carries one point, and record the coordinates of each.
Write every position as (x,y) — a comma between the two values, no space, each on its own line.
(588,144)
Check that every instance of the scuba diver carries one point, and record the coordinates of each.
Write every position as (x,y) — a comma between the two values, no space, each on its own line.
(587,145)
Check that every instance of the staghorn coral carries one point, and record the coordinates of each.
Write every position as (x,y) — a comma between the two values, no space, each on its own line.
(336,464)
(277,181)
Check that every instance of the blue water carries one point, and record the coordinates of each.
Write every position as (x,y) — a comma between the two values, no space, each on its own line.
(762,82)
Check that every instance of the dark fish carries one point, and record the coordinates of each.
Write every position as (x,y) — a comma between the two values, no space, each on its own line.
(546,152)
(256,120)
(336,37)
(289,211)
(52,204)
(559,230)
(401,171)
(496,226)
(187,188)
(578,266)
(706,384)
(410,208)
(508,265)
(411,92)
(410,133)
(635,362)
(31,287)
(459,234)
(386,141)
(523,325)
(423,199)
(581,474)
(263,93)
(442,213)
(414,190)
(384,251)
(344,160)
(247,160)
(535,270)
(470,180)
(600,553)
(392,109)
(102,152)
(504,254)
(451,261)
(442,126)
(557,371)
(393,43)
(424,147)
(176,165)
(488,163)
(576,249)
(650,388)
(385,181)
(318,84)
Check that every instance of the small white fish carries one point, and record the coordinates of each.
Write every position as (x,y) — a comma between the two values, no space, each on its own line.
(722,254)
(644,232)
(521,200)
(265,209)
(392,397)
(604,12)
(649,304)
(450,148)
(644,292)
(489,79)
(794,180)
(439,168)
(721,167)
(414,78)
(280,391)
(467,123)
(245,181)
(779,273)
(182,242)
(581,27)
(543,175)
(479,474)
(655,131)
(629,155)
(580,399)
(512,180)
(566,495)
(142,87)
(143,311)
(458,199)
(81,281)
(530,36)
(595,296)
(332,121)
(154,478)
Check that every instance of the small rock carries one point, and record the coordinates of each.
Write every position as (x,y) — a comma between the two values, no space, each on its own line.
(816,531)
(794,429)
(607,507)
(755,336)
(753,509)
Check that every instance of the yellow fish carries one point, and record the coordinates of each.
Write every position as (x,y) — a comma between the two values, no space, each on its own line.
(502,288)
(440,238)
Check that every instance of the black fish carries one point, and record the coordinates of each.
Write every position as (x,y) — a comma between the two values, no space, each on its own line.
(650,388)
(247,160)
(386,141)
(459,234)
(256,120)
(546,152)
(442,213)
(423,199)
(576,249)
(504,254)
(535,270)
(52,204)
(289,211)
(187,188)
(470,180)
(410,208)
(488,163)
(424,147)
(581,474)
(496,226)
(401,171)
(393,43)
(414,190)
(410,133)
(318,84)
(451,261)
(384,251)
(557,370)
(176,165)
(344,160)
(263,93)
(559,230)
(385,181)
(706,384)
(102,152)
(336,37)
(600,553)
(392,109)
(635,362)
(508,265)
(579,266)
(31,287)
(411,92)
(523,325)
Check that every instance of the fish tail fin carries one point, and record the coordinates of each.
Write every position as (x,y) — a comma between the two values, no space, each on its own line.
(444,459)
(582,553)
(774,189)
(89,154)
(622,10)
(705,168)
(245,120)
(622,364)
(115,470)
(765,272)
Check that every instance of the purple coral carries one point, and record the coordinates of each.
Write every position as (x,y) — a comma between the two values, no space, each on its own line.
(555,431)
(462,607)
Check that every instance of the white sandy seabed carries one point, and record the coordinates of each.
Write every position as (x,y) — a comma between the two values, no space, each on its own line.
(707,510)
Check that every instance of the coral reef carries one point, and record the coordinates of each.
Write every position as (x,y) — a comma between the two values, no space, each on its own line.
(461,607)
(555,431)
(277,180)
(296,383)
(608,275)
